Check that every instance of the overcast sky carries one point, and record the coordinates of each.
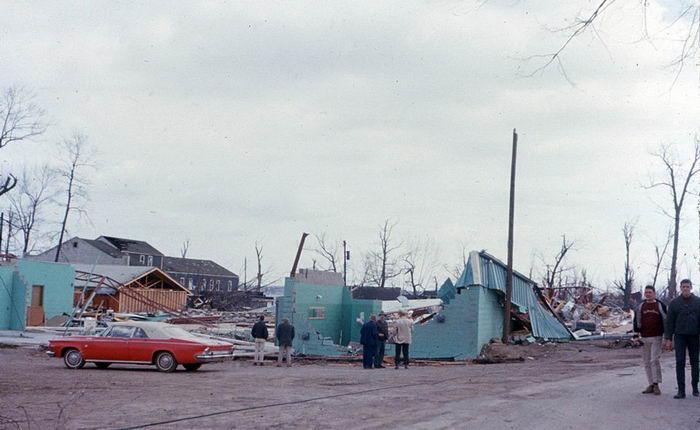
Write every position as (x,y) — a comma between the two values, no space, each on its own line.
(234,122)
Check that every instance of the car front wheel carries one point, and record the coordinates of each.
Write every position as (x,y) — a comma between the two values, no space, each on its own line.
(165,362)
(191,367)
(73,359)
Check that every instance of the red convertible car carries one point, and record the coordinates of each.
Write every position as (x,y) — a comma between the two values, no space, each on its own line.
(161,344)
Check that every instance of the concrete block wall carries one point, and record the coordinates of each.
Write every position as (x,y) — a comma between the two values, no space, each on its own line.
(11,300)
(57,280)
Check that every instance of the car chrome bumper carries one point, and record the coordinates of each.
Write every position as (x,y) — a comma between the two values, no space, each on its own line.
(216,356)
(50,353)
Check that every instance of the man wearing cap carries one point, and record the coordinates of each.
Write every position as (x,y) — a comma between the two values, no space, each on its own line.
(383,335)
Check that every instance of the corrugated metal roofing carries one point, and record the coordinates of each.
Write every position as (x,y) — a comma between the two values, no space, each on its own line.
(486,270)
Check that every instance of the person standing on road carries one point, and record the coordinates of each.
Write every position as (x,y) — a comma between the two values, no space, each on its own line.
(683,327)
(369,336)
(649,320)
(260,334)
(404,331)
(383,335)
(284,335)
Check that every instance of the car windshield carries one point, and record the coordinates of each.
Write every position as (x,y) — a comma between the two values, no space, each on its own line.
(171,332)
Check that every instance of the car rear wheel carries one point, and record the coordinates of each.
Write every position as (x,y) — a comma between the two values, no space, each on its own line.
(73,359)
(102,365)
(191,367)
(165,362)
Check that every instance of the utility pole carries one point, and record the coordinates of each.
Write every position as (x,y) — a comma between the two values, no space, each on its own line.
(345,264)
(511,215)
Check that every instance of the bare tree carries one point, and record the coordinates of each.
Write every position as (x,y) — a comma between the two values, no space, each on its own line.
(260,281)
(660,253)
(628,278)
(21,119)
(419,263)
(457,269)
(555,269)
(679,184)
(382,264)
(184,248)
(689,39)
(75,159)
(34,192)
(328,251)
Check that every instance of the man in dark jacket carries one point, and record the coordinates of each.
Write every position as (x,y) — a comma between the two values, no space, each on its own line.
(260,334)
(284,335)
(383,335)
(649,319)
(368,338)
(683,326)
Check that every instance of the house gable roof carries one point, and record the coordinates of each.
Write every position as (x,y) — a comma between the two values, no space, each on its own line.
(376,293)
(195,266)
(130,245)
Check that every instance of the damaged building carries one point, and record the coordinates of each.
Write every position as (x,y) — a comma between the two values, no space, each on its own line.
(465,317)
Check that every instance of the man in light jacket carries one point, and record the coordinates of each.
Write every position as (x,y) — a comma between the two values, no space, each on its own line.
(260,334)
(404,332)
(683,327)
(649,320)
(284,335)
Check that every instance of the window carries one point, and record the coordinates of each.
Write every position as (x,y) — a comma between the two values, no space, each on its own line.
(182,281)
(218,285)
(142,259)
(139,333)
(204,283)
(230,285)
(121,331)
(75,244)
(190,284)
(211,285)
(317,313)
(150,260)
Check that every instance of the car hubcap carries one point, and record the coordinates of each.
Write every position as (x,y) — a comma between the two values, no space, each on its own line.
(165,361)
(73,358)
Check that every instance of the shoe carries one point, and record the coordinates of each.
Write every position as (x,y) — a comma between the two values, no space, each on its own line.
(696,393)
(679,396)
(380,367)
(657,390)
(396,367)
(262,364)
(289,365)
(649,389)
(279,365)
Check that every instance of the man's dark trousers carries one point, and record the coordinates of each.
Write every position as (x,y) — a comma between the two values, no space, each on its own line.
(691,342)
(368,352)
(401,347)
(379,357)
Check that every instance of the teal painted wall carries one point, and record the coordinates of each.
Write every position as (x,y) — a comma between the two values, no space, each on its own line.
(11,300)
(470,320)
(15,290)
(328,336)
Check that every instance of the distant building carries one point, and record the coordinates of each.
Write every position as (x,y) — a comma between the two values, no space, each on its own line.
(105,250)
(200,275)
(195,274)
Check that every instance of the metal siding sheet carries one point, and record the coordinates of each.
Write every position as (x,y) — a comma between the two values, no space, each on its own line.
(544,324)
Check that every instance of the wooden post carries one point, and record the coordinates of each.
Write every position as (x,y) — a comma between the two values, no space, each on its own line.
(2,227)
(511,215)
(345,264)
(296,259)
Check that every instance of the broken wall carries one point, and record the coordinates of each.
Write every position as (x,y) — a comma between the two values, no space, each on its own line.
(464,325)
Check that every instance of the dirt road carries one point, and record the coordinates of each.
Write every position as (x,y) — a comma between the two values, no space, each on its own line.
(570,386)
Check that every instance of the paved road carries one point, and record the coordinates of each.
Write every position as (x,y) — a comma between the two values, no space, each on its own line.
(579,387)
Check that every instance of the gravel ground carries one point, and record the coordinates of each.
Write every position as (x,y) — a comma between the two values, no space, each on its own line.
(567,386)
